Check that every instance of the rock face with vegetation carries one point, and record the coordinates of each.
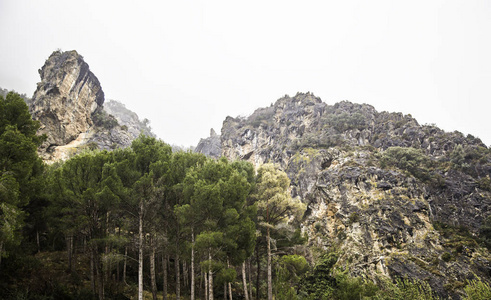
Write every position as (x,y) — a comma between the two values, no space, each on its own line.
(66,98)
(69,103)
(394,198)
(210,146)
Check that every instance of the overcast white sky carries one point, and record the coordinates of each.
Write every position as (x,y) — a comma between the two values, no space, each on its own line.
(186,65)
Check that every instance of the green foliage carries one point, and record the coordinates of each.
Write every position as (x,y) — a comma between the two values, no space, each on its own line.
(345,121)
(319,283)
(403,289)
(353,288)
(102,119)
(289,270)
(409,159)
(274,201)
(485,232)
(446,257)
(457,157)
(21,169)
(261,116)
(477,290)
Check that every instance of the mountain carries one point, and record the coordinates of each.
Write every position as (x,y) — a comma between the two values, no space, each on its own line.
(70,104)
(393,197)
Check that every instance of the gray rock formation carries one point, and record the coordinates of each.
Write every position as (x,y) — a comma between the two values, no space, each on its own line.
(128,119)
(210,146)
(69,103)
(65,99)
(414,216)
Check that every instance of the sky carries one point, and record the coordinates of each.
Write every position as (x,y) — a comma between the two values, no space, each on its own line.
(187,65)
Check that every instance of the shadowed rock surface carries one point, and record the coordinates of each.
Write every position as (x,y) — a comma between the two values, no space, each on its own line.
(210,146)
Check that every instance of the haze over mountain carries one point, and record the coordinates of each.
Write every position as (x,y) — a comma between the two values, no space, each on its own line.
(342,192)
(185,66)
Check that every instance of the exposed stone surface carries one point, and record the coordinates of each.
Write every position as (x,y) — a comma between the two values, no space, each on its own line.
(384,219)
(128,118)
(69,103)
(210,146)
(65,99)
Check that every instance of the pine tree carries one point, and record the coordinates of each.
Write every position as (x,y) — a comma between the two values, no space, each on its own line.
(275,206)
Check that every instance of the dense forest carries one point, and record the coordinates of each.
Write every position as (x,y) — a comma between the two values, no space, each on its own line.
(147,222)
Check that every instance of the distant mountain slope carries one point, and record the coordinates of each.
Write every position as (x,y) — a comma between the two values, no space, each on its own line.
(393,197)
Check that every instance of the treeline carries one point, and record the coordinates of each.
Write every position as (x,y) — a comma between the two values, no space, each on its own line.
(146,217)
(146,222)
(196,217)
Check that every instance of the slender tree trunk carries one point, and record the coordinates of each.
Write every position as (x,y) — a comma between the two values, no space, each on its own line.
(250,276)
(210,279)
(178,277)
(124,264)
(164,269)
(69,250)
(244,281)
(258,273)
(37,241)
(140,252)
(185,273)
(192,264)
(270,275)
(229,284)
(100,275)
(225,291)
(206,285)
(92,272)
(152,271)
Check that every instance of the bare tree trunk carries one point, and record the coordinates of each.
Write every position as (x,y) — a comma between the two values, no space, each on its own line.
(140,252)
(152,271)
(210,279)
(250,276)
(270,275)
(92,272)
(192,264)
(206,284)
(229,284)
(164,269)
(178,277)
(100,275)
(37,241)
(258,274)
(225,291)
(124,264)
(69,244)
(244,281)
(185,273)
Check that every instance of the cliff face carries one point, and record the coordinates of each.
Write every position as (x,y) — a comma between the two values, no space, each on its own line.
(69,103)
(65,99)
(210,146)
(395,198)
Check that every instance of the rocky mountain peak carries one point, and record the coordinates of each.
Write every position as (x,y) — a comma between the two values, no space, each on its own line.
(66,98)
(69,103)
(379,187)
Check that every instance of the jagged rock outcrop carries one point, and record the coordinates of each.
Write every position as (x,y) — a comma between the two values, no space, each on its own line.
(128,119)
(69,103)
(210,146)
(65,99)
(394,197)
